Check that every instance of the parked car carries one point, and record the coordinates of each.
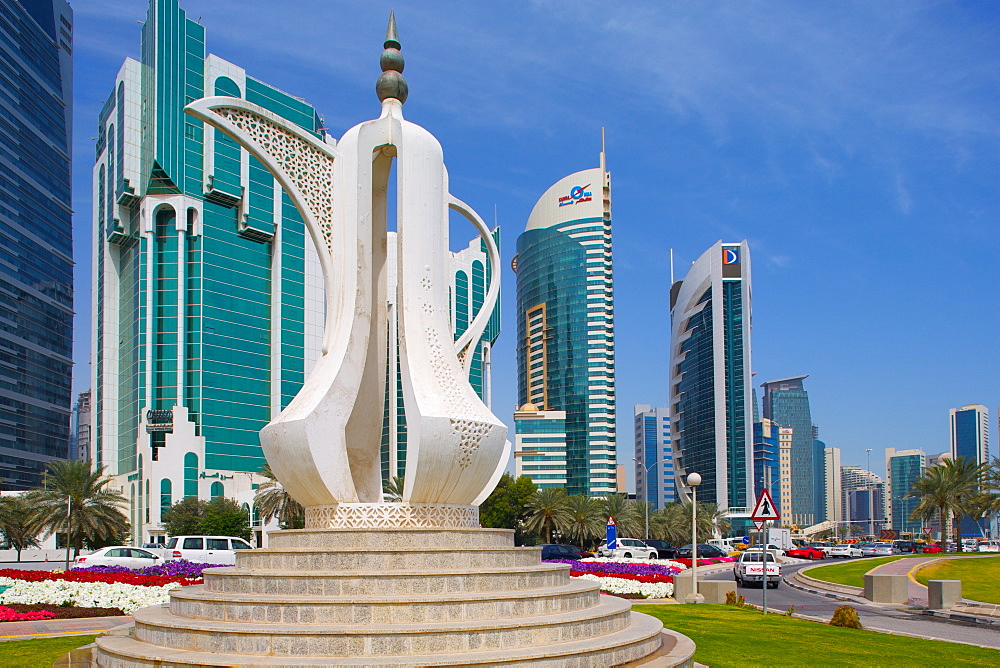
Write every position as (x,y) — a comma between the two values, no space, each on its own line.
(988,546)
(118,555)
(627,548)
(750,567)
(705,551)
(664,550)
(772,548)
(930,548)
(822,545)
(579,550)
(878,550)
(845,550)
(206,549)
(559,552)
(905,546)
(806,552)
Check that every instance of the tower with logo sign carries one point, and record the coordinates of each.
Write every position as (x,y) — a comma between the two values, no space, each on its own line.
(565,330)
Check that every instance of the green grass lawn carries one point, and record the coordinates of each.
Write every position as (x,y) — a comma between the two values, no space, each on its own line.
(729,636)
(40,653)
(852,571)
(979,576)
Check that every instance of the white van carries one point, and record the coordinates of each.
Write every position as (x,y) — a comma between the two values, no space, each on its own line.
(206,549)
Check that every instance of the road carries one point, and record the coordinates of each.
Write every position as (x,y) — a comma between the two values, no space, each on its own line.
(874,617)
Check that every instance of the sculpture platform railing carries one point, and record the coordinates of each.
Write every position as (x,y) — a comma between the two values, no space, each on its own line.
(392,515)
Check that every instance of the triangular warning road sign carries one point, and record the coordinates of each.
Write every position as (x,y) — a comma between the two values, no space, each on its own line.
(765,508)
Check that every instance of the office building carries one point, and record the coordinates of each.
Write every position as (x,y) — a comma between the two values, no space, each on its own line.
(36,235)
(711,398)
(787,403)
(471,274)
(540,446)
(970,433)
(834,489)
(208,299)
(863,499)
(785,472)
(82,418)
(565,324)
(903,468)
(654,457)
(766,460)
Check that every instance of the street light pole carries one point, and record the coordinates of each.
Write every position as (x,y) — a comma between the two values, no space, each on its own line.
(693,480)
(871,497)
(645,488)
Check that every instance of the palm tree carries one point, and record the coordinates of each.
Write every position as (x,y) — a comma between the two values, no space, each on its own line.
(75,498)
(392,489)
(673,523)
(947,491)
(273,501)
(547,510)
(19,523)
(585,521)
(626,514)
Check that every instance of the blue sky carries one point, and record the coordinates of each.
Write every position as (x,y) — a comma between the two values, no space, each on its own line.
(855,145)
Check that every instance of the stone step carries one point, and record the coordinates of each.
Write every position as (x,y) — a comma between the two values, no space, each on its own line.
(385,583)
(392,538)
(157,626)
(197,602)
(639,639)
(352,558)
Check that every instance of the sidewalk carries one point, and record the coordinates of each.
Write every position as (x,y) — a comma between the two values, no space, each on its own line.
(52,628)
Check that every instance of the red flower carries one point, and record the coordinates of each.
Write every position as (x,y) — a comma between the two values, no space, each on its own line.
(84,576)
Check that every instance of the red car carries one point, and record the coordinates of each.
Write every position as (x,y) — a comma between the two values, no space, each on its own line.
(806,553)
(930,548)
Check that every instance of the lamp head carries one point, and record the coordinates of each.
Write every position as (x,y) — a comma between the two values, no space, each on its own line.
(694,479)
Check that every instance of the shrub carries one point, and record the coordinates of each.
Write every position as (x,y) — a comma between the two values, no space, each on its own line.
(847,617)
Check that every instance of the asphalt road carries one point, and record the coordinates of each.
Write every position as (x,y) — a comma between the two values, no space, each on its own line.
(874,617)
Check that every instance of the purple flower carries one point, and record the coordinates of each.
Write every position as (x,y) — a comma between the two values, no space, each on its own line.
(180,568)
(616,567)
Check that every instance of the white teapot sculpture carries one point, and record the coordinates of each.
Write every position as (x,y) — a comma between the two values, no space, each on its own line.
(324,447)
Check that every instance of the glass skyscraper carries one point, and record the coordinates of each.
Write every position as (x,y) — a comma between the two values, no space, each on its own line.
(970,438)
(565,325)
(36,238)
(654,473)
(787,403)
(208,307)
(903,468)
(711,397)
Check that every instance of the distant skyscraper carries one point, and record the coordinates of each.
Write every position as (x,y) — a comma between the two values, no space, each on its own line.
(471,274)
(787,403)
(654,477)
(208,298)
(970,432)
(82,419)
(540,446)
(36,235)
(785,471)
(904,467)
(834,491)
(766,460)
(565,323)
(864,498)
(711,399)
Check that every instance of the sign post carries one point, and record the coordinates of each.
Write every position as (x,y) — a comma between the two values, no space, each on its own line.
(612,534)
(765,512)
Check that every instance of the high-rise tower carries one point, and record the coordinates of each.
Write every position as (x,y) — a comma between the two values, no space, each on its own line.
(903,467)
(970,432)
(565,325)
(208,307)
(787,403)
(711,398)
(654,454)
(36,235)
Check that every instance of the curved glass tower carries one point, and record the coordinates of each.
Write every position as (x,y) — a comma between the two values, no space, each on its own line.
(565,325)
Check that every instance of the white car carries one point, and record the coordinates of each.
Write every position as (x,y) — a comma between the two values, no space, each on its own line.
(627,548)
(206,549)
(846,550)
(772,548)
(119,555)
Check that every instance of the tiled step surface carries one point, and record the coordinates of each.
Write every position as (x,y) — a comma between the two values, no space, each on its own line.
(639,639)
(393,539)
(368,559)
(198,602)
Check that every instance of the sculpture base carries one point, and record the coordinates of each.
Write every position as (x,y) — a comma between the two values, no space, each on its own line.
(397,597)
(391,516)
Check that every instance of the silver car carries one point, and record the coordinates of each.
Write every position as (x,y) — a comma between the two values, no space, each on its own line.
(879,550)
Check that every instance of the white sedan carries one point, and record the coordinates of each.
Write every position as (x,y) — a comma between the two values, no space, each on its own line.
(846,550)
(118,555)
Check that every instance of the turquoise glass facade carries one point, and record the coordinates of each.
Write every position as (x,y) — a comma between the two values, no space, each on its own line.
(787,403)
(904,470)
(36,238)
(200,265)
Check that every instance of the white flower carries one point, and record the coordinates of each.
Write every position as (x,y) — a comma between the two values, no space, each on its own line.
(624,586)
(84,594)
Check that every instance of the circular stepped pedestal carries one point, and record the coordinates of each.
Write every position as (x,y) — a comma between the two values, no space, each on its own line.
(400,597)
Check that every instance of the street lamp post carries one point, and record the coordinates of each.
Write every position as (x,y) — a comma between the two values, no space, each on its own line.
(645,485)
(693,480)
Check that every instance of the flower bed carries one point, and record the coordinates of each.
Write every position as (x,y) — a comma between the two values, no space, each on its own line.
(631,578)
(179,568)
(64,611)
(11,615)
(117,577)
(126,597)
